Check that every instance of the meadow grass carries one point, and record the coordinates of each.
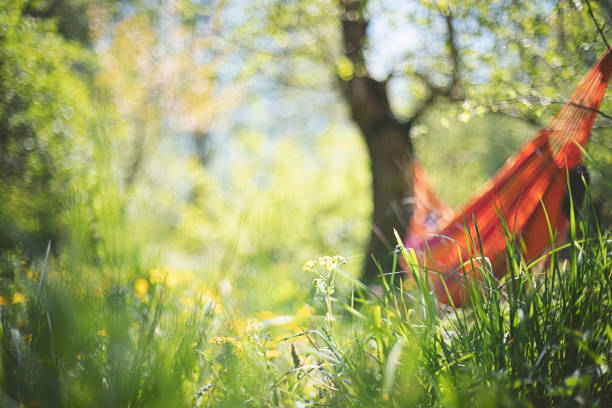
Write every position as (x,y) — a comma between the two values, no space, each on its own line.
(116,333)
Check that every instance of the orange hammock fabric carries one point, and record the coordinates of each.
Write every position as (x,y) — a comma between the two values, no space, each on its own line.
(527,190)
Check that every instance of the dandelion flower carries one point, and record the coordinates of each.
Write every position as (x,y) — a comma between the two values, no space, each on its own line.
(18,298)
(141,289)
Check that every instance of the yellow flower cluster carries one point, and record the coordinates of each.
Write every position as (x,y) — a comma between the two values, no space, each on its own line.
(309,266)
(171,277)
(329,262)
(33,275)
(191,291)
(219,341)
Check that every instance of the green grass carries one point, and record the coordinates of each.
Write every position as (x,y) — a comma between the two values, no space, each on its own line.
(113,334)
(184,286)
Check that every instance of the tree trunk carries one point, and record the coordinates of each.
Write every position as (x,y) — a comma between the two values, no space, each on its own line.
(390,152)
(388,142)
(387,138)
(390,155)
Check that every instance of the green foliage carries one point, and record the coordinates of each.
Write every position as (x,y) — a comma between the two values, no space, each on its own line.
(173,277)
(70,16)
(275,204)
(516,59)
(471,150)
(539,339)
(46,117)
(75,334)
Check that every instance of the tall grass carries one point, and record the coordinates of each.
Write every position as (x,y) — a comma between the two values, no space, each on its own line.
(540,337)
(116,333)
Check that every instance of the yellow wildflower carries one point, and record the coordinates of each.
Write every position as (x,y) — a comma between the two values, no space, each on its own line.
(305,310)
(330,262)
(187,301)
(218,308)
(31,274)
(237,345)
(219,341)
(102,333)
(18,298)
(266,314)
(272,354)
(2,301)
(172,279)
(157,275)
(141,289)
(409,284)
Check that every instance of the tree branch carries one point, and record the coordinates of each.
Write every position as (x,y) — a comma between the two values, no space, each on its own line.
(531,120)
(354,26)
(599,28)
(453,49)
(503,107)
(453,90)
(368,98)
(577,105)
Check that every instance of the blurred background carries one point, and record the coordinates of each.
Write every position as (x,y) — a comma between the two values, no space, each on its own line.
(168,167)
(222,140)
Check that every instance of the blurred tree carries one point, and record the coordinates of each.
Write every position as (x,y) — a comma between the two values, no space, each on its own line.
(155,75)
(46,122)
(162,70)
(386,135)
(486,53)
(404,68)
(70,16)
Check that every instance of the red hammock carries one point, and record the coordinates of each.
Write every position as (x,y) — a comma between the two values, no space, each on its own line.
(526,191)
